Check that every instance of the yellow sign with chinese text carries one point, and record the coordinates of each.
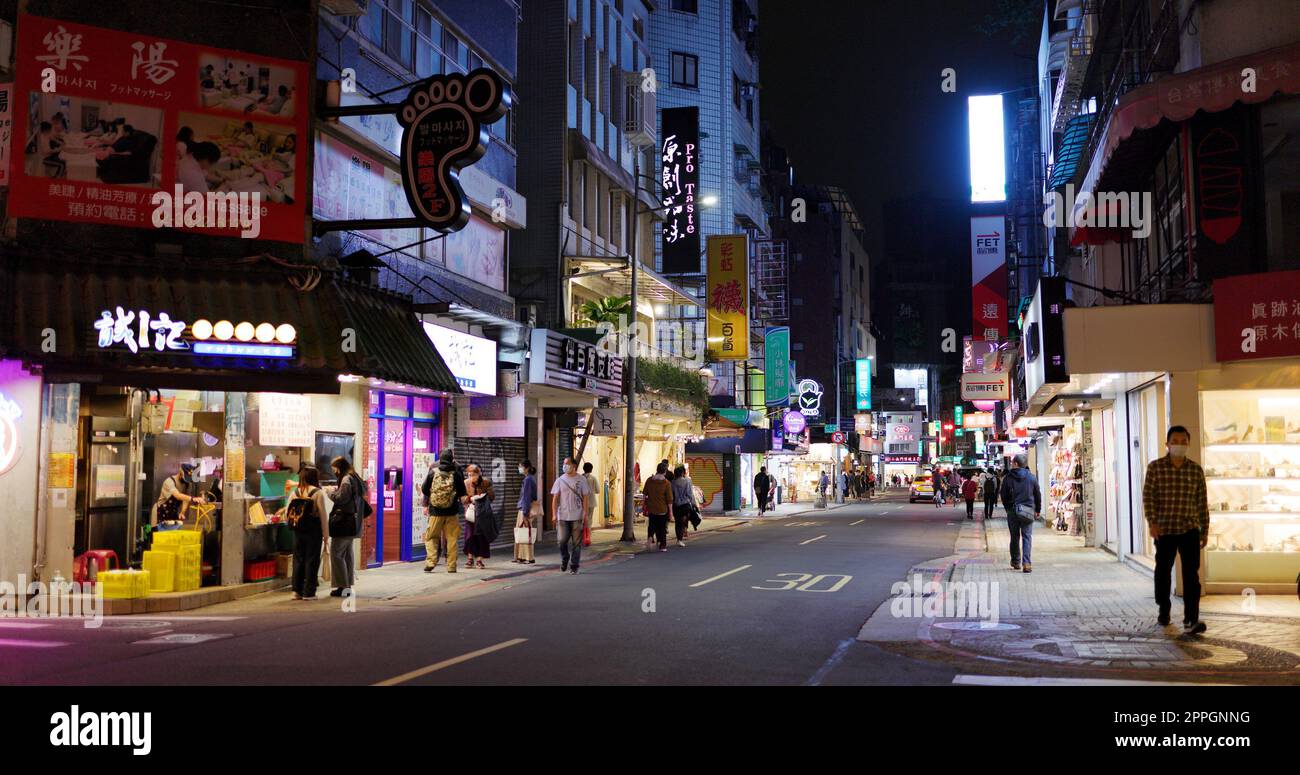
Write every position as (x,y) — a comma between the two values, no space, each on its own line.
(727,302)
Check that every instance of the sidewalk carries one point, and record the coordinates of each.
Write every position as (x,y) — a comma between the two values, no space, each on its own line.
(1083,611)
(793,509)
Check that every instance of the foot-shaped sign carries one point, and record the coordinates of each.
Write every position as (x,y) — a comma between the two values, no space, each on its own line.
(444,121)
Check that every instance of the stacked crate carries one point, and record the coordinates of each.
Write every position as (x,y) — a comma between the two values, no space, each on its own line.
(187,548)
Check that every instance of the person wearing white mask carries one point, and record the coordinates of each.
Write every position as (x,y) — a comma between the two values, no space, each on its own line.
(1178,518)
(569,498)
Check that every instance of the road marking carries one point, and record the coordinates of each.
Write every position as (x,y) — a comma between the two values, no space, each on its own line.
(830,663)
(22,625)
(859,522)
(810,540)
(32,644)
(721,576)
(1009,680)
(182,637)
(404,677)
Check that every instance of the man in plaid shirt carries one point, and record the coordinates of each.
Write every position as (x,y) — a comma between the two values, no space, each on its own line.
(1178,517)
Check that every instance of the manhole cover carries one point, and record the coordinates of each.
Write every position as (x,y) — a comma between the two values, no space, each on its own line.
(977,626)
(183,637)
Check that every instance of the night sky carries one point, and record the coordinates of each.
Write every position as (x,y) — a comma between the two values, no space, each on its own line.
(851,89)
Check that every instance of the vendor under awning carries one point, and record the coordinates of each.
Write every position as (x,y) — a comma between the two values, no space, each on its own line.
(243,324)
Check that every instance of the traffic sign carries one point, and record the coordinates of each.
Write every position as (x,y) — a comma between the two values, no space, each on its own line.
(829,427)
(837,437)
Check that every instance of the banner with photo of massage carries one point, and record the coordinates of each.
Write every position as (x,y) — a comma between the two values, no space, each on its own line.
(129,115)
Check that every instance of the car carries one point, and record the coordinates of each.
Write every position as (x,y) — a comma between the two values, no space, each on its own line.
(922,489)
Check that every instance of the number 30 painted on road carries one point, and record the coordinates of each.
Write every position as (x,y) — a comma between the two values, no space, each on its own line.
(804,582)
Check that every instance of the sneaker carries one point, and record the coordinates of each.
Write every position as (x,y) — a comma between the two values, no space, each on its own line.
(1194,629)
(451,570)
(1163,619)
(429,568)
(663,548)
(573,571)
(1015,565)
(564,567)
(336,593)
(297,596)
(681,544)
(1029,568)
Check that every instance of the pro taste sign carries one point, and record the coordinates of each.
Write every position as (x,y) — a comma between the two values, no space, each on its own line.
(97,113)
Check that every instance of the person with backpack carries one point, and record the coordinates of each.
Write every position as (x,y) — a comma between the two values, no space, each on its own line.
(990,484)
(1023,502)
(345,521)
(443,488)
(306,515)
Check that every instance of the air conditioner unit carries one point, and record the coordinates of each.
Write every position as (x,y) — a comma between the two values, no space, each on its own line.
(638,112)
(344,7)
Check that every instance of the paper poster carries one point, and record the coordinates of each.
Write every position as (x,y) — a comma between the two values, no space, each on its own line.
(234,464)
(63,470)
(110,481)
(284,420)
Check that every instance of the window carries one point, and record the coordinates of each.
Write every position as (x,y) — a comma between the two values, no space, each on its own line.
(638,28)
(686,6)
(686,70)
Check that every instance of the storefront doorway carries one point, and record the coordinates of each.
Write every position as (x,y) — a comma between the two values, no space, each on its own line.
(411,429)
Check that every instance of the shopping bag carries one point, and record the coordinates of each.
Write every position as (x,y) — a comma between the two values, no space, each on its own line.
(325,562)
(586,535)
(525,535)
(469,513)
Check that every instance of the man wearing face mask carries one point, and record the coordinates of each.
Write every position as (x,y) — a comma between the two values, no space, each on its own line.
(569,498)
(1178,518)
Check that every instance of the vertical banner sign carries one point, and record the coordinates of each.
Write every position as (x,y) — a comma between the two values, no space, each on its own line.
(679,179)
(6,129)
(863,383)
(988,276)
(1053,301)
(101,148)
(1224,183)
(728,299)
(776,354)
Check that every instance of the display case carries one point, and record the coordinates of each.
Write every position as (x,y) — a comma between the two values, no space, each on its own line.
(1065,490)
(1251,456)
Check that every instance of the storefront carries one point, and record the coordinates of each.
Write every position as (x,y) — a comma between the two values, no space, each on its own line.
(237,376)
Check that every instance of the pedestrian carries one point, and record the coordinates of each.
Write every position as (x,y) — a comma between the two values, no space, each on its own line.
(349,497)
(762,483)
(954,485)
(824,484)
(1023,502)
(594,485)
(969,488)
(1178,518)
(569,497)
(990,484)
(481,530)
(658,493)
(443,489)
(306,515)
(844,486)
(939,484)
(684,505)
(529,517)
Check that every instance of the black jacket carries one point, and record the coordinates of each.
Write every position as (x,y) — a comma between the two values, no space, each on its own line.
(1020,487)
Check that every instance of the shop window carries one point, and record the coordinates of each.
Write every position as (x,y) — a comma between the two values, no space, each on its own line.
(425,408)
(686,6)
(396,405)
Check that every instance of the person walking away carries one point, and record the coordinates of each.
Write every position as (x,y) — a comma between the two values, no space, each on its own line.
(349,497)
(306,516)
(939,484)
(658,493)
(954,485)
(969,489)
(569,496)
(1178,518)
(443,488)
(529,517)
(762,483)
(684,505)
(594,486)
(824,484)
(1023,502)
(844,486)
(481,530)
(990,484)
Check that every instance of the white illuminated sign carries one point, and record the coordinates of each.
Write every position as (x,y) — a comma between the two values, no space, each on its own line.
(132,328)
(988,172)
(472,359)
(9,414)
(810,397)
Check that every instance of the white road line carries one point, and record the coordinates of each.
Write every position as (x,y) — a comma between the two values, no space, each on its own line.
(859,522)
(721,576)
(810,540)
(21,625)
(1009,680)
(404,677)
(31,644)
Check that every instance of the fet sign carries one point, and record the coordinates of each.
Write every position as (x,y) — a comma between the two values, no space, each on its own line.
(1257,316)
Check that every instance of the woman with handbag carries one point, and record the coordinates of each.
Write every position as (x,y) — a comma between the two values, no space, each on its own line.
(480,523)
(306,514)
(684,505)
(345,525)
(529,520)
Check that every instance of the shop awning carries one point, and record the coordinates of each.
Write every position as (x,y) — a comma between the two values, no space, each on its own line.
(63,297)
(1073,143)
(613,276)
(1177,98)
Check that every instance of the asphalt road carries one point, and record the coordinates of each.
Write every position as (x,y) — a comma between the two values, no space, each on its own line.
(770,602)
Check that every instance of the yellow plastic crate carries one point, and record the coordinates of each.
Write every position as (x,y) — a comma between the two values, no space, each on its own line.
(124,584)
(162,570)
(165,538)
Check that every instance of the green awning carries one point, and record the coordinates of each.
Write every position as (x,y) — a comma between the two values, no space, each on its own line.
(1073,143)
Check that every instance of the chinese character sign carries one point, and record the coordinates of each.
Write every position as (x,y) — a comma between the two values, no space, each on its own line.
(1257,316)
(988,277)
(727,303)
(99,147)
(776,354)
(6,130)
(863,383)
(679,180)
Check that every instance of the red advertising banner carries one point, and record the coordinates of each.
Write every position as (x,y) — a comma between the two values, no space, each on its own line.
(1257,316)
(988,277)
(97,120)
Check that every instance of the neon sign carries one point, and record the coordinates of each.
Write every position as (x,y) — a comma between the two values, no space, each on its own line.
(9,414)
(810,397)
(223,338)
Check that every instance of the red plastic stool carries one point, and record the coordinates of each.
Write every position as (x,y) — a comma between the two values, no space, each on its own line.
(101,557)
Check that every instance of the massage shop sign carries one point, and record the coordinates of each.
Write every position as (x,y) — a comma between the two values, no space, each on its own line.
(81,78)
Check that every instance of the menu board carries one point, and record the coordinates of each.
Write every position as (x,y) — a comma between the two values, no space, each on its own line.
(284,420)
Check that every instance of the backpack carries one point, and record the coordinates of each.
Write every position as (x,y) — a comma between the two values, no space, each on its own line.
(442,489)
(301,511)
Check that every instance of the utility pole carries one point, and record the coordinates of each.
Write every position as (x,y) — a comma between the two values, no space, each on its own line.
(629,372)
